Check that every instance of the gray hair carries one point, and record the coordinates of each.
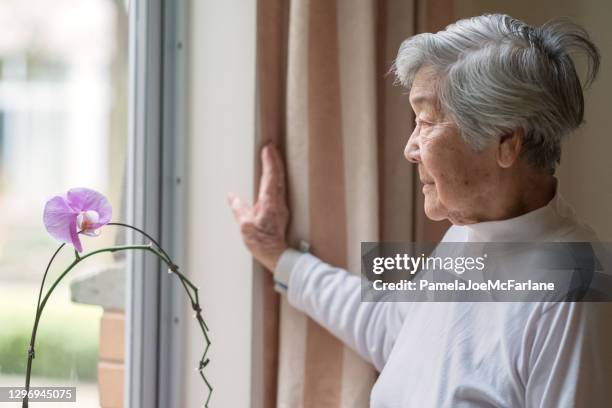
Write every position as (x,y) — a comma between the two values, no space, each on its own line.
(498,75)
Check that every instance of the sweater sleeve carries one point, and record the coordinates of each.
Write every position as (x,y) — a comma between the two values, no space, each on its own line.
(332,297)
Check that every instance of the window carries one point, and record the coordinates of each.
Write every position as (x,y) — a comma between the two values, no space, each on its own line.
(63,124)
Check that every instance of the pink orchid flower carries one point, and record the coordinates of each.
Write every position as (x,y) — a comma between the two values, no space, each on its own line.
(80,210)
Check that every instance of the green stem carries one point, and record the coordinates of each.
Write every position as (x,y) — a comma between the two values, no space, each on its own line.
(161,254)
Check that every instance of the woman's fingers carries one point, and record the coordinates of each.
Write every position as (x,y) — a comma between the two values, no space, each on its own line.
(272,186)
(240,209)
(263,224)
(278,167)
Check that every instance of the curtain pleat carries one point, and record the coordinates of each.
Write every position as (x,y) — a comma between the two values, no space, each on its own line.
(271,92)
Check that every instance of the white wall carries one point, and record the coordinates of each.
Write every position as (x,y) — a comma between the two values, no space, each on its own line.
(221,50)
(586,166)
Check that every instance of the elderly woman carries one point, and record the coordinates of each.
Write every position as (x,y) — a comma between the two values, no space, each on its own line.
(493,99)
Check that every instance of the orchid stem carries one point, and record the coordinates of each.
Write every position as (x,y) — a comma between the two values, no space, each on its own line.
(154,248)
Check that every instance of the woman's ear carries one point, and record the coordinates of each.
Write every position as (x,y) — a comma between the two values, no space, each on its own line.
(509,149)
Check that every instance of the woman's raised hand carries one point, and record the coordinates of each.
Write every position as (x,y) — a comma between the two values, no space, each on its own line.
(264,224)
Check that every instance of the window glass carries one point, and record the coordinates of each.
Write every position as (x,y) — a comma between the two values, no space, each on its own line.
(63,124)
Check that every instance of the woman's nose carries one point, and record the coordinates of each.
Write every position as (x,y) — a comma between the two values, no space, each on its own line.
(412,152)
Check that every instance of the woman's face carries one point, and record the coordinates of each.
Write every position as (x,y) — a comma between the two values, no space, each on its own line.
(458,182)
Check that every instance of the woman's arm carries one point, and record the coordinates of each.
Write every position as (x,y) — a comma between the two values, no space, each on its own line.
(332,297)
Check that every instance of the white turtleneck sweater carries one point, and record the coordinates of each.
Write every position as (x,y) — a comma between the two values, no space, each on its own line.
(466,354)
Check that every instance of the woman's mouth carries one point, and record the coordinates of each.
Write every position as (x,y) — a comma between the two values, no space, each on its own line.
(427,186)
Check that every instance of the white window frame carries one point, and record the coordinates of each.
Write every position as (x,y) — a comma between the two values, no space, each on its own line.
(155,197)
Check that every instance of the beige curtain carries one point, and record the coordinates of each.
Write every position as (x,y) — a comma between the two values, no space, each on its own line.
(325,98)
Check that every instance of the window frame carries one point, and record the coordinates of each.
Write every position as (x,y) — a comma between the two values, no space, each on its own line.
(155,201)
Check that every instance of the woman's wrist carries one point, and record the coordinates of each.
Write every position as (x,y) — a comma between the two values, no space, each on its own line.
(270,260)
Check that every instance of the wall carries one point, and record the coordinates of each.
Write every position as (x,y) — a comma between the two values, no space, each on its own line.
(221,54)
(586,167)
